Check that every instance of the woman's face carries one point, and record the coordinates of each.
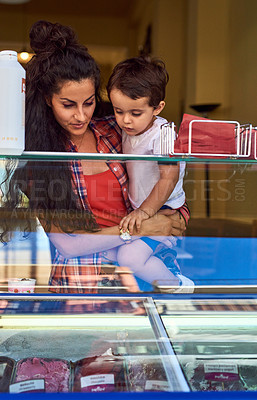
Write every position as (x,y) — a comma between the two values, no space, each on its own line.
(73,106)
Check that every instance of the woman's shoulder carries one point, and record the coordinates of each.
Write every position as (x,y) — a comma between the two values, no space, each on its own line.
(105,123)
(107,133)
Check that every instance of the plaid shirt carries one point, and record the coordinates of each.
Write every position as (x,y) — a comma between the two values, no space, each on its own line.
(72,275)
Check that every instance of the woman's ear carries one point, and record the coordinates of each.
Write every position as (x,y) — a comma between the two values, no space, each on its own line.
(48,101)
(159,108)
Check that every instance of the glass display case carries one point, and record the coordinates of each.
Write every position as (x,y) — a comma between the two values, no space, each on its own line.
(214,341)
(217,252)
(161,335)
(85,345)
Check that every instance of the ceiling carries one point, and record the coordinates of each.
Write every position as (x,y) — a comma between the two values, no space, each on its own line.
(114,8)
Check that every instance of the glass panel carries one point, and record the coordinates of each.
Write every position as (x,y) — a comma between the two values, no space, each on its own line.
(82,345)
(220,241)
(215,341)
(90,257)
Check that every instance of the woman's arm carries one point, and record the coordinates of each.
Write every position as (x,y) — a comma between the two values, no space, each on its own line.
(83,243)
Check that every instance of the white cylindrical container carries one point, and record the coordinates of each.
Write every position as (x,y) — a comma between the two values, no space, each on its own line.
(12,104)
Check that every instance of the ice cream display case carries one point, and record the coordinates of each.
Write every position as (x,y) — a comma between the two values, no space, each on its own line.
(93,344)
(85,345)
(214,341)
(122,331)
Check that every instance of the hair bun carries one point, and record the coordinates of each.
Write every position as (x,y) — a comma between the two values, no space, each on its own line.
(48,37)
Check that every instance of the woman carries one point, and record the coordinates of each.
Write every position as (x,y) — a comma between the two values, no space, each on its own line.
(79,203)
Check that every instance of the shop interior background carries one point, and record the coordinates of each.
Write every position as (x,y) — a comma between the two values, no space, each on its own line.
(209,48)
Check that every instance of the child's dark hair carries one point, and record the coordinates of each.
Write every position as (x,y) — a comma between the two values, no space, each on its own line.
(140,77)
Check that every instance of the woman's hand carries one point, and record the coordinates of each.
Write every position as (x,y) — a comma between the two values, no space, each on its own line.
(164,223)
(175,216)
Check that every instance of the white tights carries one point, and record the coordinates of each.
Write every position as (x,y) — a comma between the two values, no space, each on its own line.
(138,257)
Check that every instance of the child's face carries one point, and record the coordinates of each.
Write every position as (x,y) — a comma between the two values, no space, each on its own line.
(133,116)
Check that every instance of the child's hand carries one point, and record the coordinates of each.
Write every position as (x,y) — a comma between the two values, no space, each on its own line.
(135,218)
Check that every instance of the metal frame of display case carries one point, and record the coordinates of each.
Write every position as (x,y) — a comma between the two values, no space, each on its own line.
(255,142)
(135,396)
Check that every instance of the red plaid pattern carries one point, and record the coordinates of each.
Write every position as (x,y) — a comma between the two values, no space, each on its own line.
(185,212)
(79,275)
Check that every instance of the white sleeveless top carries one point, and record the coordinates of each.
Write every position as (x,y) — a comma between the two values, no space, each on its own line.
(143,175)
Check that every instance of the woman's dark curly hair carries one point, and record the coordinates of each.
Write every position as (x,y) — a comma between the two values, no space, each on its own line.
(58,58)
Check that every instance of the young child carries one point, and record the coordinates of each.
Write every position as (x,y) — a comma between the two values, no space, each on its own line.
(136,90)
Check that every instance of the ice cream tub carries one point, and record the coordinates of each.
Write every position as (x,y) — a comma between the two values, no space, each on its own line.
(21,285)
(102,373)
(223,374)
(6,370)
(146,374)
(36,374)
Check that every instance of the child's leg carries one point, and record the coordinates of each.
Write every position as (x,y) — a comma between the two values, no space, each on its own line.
(110,255)
(138,257)
(134,255)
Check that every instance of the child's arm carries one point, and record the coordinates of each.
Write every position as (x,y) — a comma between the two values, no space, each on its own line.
(169,175)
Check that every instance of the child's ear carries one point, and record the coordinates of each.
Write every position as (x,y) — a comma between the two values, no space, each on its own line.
(159,108)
